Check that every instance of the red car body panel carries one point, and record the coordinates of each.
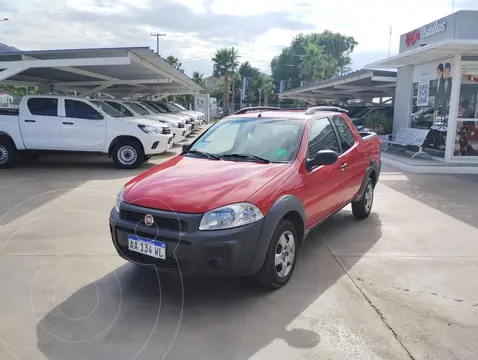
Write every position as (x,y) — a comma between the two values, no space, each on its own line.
(194,185)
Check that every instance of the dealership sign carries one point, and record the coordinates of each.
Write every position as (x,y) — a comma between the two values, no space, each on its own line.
(429,30)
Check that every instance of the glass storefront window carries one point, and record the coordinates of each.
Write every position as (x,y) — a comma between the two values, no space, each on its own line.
(431,104)
(466,139)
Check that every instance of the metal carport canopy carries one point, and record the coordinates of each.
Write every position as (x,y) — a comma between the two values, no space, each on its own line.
(364,84)
(119,72)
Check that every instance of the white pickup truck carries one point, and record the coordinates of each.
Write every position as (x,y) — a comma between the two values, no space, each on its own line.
(62,123)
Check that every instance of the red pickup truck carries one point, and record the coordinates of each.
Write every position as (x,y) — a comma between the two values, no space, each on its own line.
(241,199)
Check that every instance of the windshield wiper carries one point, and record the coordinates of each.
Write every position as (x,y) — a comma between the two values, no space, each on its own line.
(247,156)
(203,153)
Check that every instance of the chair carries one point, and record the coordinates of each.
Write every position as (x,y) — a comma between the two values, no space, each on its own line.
(419,140)
(404,137)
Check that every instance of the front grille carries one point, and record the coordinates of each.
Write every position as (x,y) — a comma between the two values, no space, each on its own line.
(161,222)
(166,131)
(181,125)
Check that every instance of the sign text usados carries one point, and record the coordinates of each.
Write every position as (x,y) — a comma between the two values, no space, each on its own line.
(426,31)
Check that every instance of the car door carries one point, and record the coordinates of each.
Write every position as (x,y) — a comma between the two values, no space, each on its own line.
(83,127)
(40,124)
(351,160)
(322,195)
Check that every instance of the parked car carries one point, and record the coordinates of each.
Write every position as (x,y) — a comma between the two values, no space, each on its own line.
(161,109)
(61,123)
(199,114)
(360,118)
(266,181)
(179,128)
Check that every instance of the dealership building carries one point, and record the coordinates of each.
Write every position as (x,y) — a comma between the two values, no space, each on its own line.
(437,86)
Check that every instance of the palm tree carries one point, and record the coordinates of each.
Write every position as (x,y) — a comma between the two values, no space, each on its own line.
(198,79)
(225,62)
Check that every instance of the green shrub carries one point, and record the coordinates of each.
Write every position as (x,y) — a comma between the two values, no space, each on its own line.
(379,123)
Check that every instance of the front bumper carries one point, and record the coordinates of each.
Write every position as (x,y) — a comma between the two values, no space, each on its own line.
(179,134)
(229,252)
(157,144)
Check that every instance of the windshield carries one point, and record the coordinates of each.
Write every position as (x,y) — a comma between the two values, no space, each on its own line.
(168,107)
(150,108)
(276,140)
(158,108)
(180,106)
(161,106)
(136,108)
(107,109)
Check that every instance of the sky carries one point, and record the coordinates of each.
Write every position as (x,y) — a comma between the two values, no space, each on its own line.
(194,29)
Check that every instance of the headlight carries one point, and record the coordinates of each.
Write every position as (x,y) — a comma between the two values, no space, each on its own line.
(119,200)
(150,129)
(230,216)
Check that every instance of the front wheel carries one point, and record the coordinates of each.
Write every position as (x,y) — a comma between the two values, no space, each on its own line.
(128,155)
(281,257)
(362,208)
(7,153)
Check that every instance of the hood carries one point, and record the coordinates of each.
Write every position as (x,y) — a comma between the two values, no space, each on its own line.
(192,185)
(161,118)
(142,121)
(178,116)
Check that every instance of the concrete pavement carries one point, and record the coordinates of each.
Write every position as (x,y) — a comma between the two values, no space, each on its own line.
(399,285)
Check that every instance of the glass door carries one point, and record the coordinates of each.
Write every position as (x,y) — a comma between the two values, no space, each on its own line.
(465,148)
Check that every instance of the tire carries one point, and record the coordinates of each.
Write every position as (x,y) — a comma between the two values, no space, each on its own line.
(29,156)
(128,154)
(274,276)
(8,153)
(362,208)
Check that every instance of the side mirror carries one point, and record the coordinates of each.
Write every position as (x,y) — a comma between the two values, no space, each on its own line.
(323,157)
(185,147)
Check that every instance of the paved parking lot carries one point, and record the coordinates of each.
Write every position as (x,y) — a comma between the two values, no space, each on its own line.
(400,285)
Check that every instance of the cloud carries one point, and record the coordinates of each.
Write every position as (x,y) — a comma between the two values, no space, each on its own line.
(196,28)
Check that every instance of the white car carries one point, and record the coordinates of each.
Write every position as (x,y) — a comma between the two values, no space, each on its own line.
(152,110)
(73,124)
(199,114)
(167,108)
(178,128)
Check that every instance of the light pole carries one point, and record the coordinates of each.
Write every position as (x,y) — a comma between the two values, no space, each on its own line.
(157,36)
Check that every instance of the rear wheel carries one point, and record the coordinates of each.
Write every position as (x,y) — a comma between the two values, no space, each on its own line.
(8,153)
(362,208)
(281,257)
(128,155)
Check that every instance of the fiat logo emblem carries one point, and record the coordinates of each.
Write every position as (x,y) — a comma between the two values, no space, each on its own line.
(149,220)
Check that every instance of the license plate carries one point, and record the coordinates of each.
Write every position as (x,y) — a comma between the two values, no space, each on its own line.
(156,249)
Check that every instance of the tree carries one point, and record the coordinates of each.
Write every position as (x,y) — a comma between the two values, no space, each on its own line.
(312,57)
(199,79)
(225,63)
(174,61)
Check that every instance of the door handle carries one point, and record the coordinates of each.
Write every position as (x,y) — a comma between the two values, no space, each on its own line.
(343,166)
(67,123)
(30,121)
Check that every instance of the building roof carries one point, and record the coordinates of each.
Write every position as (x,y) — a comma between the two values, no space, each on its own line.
(364,84)
(428,53)
(116,71)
